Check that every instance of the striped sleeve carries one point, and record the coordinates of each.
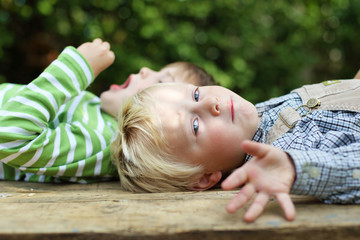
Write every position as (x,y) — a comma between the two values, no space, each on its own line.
(35,142)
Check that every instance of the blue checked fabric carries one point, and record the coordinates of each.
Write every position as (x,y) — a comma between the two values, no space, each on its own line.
(324,146)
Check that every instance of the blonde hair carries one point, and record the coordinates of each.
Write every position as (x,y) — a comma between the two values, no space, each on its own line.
(141,154)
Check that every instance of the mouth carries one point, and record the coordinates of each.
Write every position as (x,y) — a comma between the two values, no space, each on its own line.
(122,86)
(232,110)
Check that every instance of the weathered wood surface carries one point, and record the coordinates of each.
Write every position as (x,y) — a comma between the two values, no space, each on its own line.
(102,211)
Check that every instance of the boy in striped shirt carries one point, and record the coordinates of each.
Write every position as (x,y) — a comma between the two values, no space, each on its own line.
(52,130)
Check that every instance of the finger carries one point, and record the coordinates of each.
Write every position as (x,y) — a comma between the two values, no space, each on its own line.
(257,207)
(97,40)
(235,179)
(111,56)
(287,205)
(241,198)
(106,45)
(255,149)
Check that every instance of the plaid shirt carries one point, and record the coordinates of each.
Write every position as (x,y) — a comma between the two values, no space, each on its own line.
(324,146)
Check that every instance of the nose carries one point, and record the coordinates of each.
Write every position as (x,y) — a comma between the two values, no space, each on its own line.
(145,72)
(209,105)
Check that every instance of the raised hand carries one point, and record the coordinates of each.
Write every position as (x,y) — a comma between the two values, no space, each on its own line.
(269,173)
(98,55)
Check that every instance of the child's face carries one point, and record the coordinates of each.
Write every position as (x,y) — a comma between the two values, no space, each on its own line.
(112,99)
(205,125)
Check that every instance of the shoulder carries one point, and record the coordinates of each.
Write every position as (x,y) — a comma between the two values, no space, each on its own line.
(278,103)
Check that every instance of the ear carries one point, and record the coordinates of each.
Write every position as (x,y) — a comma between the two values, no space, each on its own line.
(207,180)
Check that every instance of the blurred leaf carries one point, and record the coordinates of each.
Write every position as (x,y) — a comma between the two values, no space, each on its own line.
(45,7)
(260,49)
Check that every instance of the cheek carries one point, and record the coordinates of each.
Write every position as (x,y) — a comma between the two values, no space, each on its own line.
(225,140)
(221,147)
(217,142)
(221,132)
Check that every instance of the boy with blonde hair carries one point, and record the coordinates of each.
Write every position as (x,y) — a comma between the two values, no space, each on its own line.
(183,137)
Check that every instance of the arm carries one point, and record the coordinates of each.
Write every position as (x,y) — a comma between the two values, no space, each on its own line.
(357,76)
(332,175)
(29,138)
(270,173)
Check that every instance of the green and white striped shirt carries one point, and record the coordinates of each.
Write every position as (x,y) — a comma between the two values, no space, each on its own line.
(53,130)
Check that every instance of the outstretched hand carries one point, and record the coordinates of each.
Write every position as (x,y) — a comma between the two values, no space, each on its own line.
(269,173)
(98,55)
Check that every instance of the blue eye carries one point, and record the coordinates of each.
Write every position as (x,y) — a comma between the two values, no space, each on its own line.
(196,94)
(196,126)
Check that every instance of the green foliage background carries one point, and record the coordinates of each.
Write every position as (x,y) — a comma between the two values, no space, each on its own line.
(260,49)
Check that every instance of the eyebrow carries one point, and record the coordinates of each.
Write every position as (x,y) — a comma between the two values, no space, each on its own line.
(184,118)
(171,76)
(188,93)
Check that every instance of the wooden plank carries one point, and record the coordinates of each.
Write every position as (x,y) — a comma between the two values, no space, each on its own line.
(102,211)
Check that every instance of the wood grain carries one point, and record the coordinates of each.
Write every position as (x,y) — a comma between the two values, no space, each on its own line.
(102,211)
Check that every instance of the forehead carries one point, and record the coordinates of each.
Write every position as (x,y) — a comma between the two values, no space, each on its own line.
(169,99)
(166,92)
(173,67)
(181,74)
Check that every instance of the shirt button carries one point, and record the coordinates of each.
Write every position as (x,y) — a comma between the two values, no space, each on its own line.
(314,172)
(356,174)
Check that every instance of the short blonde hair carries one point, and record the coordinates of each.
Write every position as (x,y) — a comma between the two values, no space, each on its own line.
(141,153)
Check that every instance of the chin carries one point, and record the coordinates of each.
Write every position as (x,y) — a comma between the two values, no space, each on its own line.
(103,95)
(109,111)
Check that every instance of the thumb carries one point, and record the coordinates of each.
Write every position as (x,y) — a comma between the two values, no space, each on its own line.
(255,149)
